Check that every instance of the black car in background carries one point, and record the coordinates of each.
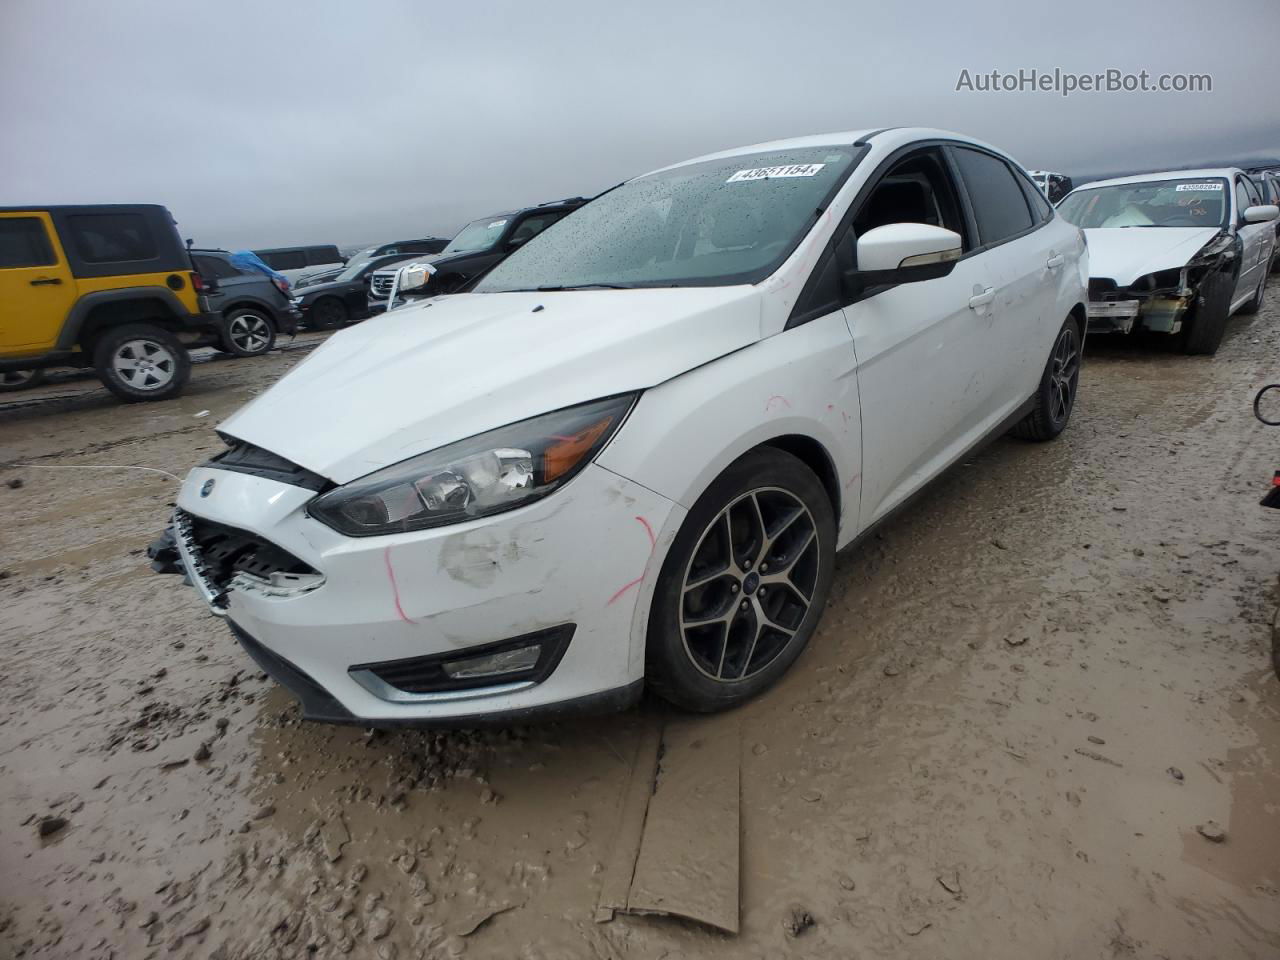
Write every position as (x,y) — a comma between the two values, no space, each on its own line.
(345,298)
(425,245)
(253,308)
(474,249)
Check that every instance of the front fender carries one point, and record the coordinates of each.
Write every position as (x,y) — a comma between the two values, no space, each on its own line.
(802,382)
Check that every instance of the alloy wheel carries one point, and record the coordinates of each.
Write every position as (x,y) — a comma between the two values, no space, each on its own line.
(250,332)
(144,364)
(1064,376)
(749,584)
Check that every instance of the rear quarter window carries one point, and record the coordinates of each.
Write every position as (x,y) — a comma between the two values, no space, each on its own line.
(999,204)
(24,243)
(112,237)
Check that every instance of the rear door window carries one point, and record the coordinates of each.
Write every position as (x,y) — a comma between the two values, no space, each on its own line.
(24,243)
(214,267)
(111,237)
(999,205)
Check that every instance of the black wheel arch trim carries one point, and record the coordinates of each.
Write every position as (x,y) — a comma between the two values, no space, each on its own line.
(69,336)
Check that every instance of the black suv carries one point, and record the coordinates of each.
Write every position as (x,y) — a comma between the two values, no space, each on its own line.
(253,308)
(336,302)
(475,248)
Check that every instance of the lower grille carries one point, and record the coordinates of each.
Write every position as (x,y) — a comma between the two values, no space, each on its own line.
(224,557)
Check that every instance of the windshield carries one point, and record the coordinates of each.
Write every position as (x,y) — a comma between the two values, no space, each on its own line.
(712,223)
(1154,203)
(353,269)
(477,236)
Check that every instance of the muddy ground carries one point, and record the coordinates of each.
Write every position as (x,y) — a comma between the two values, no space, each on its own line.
(1026,696)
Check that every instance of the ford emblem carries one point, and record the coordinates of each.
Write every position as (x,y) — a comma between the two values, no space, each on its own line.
(207,488)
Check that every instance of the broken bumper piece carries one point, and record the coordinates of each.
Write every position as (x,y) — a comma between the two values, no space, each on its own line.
(535,611)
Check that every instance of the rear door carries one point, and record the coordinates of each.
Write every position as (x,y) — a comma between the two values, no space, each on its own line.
(36,286)
(1023,257)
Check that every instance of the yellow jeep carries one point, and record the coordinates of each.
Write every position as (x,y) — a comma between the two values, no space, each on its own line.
(106,286)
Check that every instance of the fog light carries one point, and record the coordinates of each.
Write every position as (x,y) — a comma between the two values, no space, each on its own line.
(495,664)
(508,664)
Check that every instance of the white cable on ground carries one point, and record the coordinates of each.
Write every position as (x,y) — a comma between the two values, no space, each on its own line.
(93,466)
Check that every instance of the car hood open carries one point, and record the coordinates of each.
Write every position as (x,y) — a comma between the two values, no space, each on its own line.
(1124,254)
(445,369)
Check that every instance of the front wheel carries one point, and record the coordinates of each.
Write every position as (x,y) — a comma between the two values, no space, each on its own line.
(248,333)
(744,584)
(1059,384)
(139,362)
(327,313)
(1203,330)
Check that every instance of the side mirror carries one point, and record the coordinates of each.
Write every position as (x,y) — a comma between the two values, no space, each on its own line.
(905,253)
(1261,213)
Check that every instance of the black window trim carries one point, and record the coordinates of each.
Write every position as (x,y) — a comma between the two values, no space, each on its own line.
(47,249)
(805,310)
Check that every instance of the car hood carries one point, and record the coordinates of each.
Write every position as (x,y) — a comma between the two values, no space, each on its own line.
(448,368)
(1124,254)
(314,290)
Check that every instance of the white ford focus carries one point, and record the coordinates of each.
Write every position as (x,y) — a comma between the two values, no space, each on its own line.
(629,453)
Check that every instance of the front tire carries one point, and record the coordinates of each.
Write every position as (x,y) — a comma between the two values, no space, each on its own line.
(1059,385)
(744,584)
(327,313)
(248,333)
(1208,321)
(140,362)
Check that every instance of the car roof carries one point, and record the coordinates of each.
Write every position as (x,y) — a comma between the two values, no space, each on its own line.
(1201,174)
(83,208)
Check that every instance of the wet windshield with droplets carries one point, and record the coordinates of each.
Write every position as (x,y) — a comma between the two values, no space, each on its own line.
(712,223)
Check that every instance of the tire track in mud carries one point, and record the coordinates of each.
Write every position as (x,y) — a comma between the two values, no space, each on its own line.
(920,784)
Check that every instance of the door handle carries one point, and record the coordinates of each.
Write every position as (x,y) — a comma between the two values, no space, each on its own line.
(46,281)
(1053,263)
(982,299)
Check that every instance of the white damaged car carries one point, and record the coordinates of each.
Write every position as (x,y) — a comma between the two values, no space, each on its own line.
(629,454)
(1175,252)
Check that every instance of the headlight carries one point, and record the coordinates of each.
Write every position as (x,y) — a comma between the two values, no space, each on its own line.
(495,471)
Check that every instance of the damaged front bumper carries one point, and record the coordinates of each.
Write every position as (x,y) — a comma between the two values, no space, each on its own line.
(540,609)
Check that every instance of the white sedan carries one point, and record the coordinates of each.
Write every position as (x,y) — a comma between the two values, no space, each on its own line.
(629,454)
(1175,253)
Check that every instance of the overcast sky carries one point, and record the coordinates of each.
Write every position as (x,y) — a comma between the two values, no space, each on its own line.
(276,122)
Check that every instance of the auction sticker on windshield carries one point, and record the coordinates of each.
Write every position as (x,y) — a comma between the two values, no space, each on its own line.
(768,173)
(1197,186)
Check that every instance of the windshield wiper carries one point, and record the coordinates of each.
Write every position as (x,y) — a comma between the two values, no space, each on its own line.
(585,286)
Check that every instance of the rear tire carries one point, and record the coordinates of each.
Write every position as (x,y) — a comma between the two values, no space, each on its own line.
(248,333)
(744,584)
(140,362)
(1059,386)
(20,380)
(327,313)
(1202,333)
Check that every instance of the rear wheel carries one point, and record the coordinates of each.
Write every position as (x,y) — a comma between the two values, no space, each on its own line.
(327,313)
(1059,385)
(248,333)
(1202,331)
(20,380)
(744,584)
(139,362)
